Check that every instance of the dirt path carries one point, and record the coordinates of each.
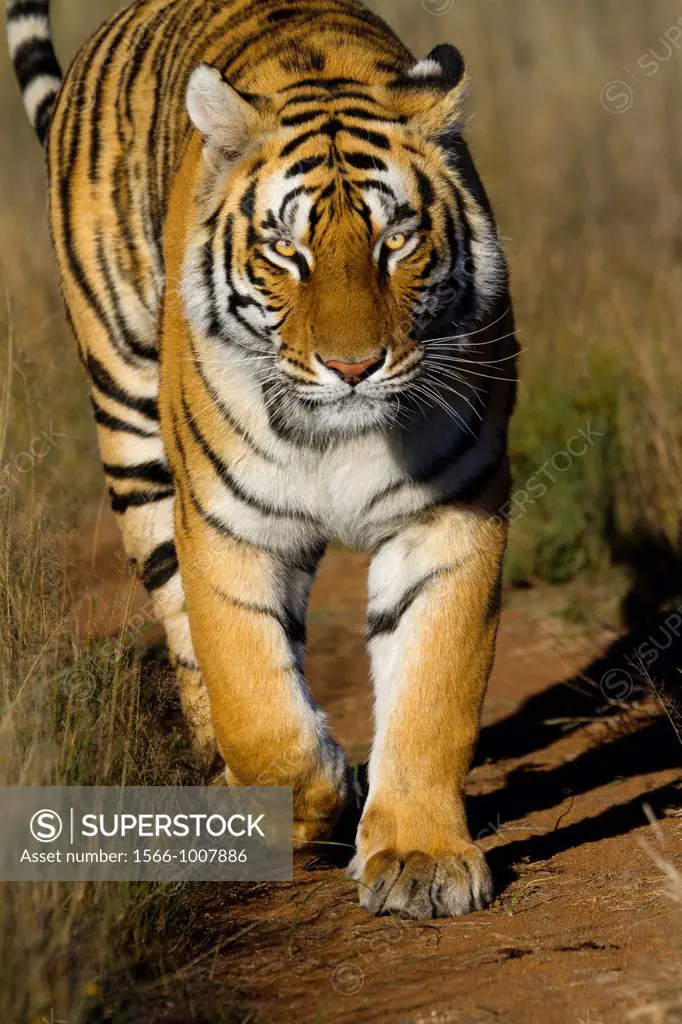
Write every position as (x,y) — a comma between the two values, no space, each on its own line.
(581,931)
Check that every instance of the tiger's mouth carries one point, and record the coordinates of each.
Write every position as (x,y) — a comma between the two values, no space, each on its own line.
(337,383)
(311,401)
(315,411)
(352,399)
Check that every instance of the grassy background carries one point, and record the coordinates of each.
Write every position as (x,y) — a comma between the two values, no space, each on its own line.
(590,205)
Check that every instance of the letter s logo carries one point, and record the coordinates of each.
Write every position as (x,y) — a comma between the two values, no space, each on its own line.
(46,826)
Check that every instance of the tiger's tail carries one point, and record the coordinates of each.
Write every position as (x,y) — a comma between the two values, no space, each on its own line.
(29,38)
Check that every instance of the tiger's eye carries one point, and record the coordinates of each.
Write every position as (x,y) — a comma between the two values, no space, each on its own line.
(396,241)
(285,247)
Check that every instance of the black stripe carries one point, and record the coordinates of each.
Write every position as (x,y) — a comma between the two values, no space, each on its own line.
(426,193)
(213,327)
(316,212)
(161,566)
(105,419)
(43,116)
(364,162)
(430,265)
(299,141)
(384,257)
(247,203)
(152,472)
(179,662)
(35,57)
(294,630)
(367,115)
(109,387)
(296,101)
(227,416)
(373,138)
(94,118)
(427,196)
(350,94)
(360,207)
(302,265)
(28,8)
(157,125)
(321,83)
(305,166)
(290,196)
(377,186)
(301,560)
(285,14)
(120,503)
(381,623)
(122,201)
(234,487)
(331,128)
(75,265)
(302,118)
(458,155)
(123,331)
(467,301)
(235,300)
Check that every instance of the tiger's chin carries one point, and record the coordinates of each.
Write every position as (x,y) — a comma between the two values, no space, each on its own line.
(342,418)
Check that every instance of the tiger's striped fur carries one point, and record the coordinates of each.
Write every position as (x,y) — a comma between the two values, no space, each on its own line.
(290,298)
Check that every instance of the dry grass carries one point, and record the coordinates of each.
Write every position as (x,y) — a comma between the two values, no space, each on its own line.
(70,717)
(666,1010)
(75,714)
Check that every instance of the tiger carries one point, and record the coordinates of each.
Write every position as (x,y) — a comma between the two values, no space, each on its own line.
(291,301)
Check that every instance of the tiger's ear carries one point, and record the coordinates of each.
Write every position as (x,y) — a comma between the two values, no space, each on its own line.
(227,120)
(432,94)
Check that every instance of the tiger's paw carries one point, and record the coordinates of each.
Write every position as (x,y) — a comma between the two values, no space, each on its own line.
(321,787)
(420,886)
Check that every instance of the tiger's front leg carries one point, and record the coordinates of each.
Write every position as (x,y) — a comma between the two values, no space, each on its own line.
(247,610)
(433,614)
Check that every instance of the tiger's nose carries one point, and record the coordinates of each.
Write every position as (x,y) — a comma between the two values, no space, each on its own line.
(353,373)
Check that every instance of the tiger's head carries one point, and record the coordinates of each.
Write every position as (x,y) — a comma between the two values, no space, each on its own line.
(341,226)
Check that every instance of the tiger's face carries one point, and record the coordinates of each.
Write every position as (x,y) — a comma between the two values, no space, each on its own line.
(340,238)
